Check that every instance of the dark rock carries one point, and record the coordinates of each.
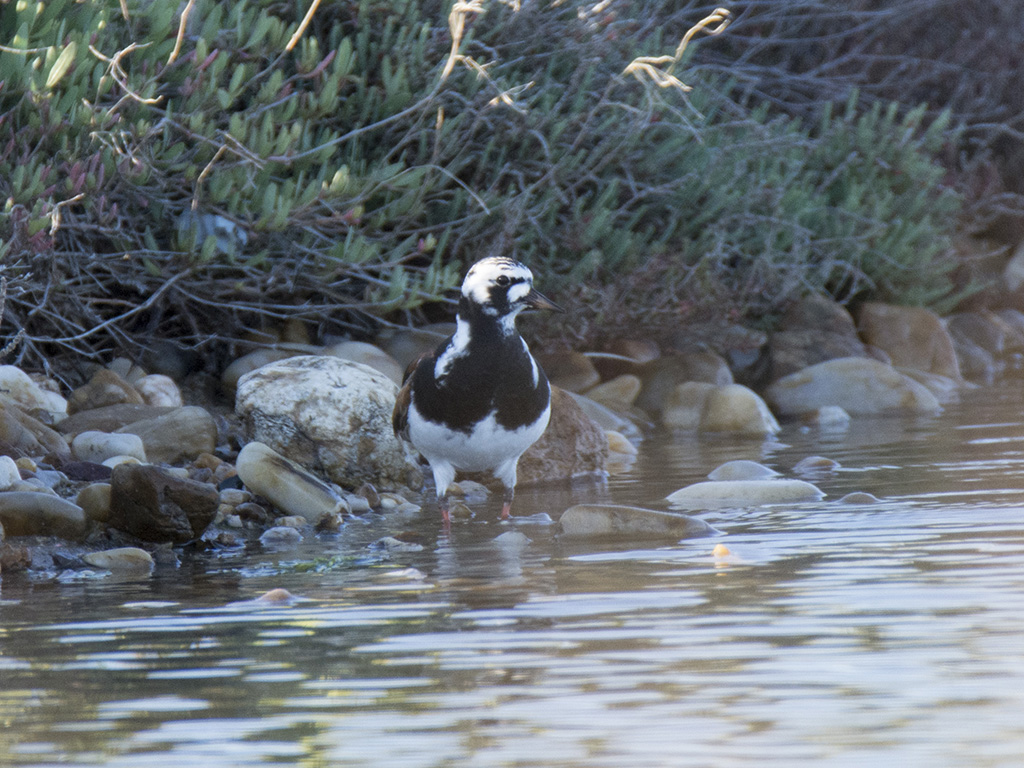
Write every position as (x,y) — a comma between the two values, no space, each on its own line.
(85,471)
(154,505)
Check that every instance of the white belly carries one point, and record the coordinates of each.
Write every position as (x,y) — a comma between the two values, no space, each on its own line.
(486,447)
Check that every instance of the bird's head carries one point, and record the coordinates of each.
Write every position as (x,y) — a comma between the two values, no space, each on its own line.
(502,287)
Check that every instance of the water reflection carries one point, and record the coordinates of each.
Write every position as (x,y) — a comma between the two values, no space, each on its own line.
(832,635)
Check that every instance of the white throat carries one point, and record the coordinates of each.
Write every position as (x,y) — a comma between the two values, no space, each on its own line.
(456,348)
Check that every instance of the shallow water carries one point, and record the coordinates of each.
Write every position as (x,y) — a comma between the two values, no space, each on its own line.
(832,635)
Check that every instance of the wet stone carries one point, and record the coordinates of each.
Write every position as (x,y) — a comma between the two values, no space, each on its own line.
(743,493)
(859,497)
(595,520)
(120,559)
(742,469)
(280,537)
(815,466)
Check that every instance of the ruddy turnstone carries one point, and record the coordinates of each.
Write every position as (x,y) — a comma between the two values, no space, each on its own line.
(480,400)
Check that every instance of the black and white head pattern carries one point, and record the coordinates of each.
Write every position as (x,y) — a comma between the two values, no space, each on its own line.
(499,286)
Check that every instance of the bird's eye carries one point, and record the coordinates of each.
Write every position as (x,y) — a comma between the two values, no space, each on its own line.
(502,280)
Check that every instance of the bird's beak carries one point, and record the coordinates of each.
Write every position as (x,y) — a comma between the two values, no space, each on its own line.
(536,300)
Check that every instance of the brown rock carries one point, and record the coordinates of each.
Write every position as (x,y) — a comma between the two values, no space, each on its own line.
(818,313)
(179,435)
(572,446)
(110,418)
(618,393)
(735,408)
(573,371)
(913,337)
(685,404)
(790,351)
(661,377)
(154,505)
(624,356)
(104,388)
(28,436)
(26,513)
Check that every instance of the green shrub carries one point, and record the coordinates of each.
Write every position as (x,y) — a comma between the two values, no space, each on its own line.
(199,179)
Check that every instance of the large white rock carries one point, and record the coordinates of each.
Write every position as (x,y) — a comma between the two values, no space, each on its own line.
(332,416)
(743,493)
(858,384)
(19,387)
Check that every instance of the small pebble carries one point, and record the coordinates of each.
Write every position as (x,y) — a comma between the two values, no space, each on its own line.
(280,537)
(742,469)
(459,511)
(469,490)
(392,545)
(277,597)
(815,465)
(721,550)
(332,522)
(512,540)
(291,521)
(391,501)
(250,510)
(357,504)
(26,464)
(368,492)
(234,496)
(113,461)
(233,521)
(94,500)
(617,443)
(859,497)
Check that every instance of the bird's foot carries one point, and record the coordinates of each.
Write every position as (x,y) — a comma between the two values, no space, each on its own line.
(443,505)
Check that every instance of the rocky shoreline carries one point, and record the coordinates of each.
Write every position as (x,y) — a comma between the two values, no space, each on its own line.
(124,470)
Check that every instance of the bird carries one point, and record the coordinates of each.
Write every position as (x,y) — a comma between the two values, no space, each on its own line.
(480,399)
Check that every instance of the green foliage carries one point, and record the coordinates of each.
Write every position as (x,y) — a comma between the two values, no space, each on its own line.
(354,172)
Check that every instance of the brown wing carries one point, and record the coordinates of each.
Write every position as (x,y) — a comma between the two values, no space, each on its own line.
(400,416)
